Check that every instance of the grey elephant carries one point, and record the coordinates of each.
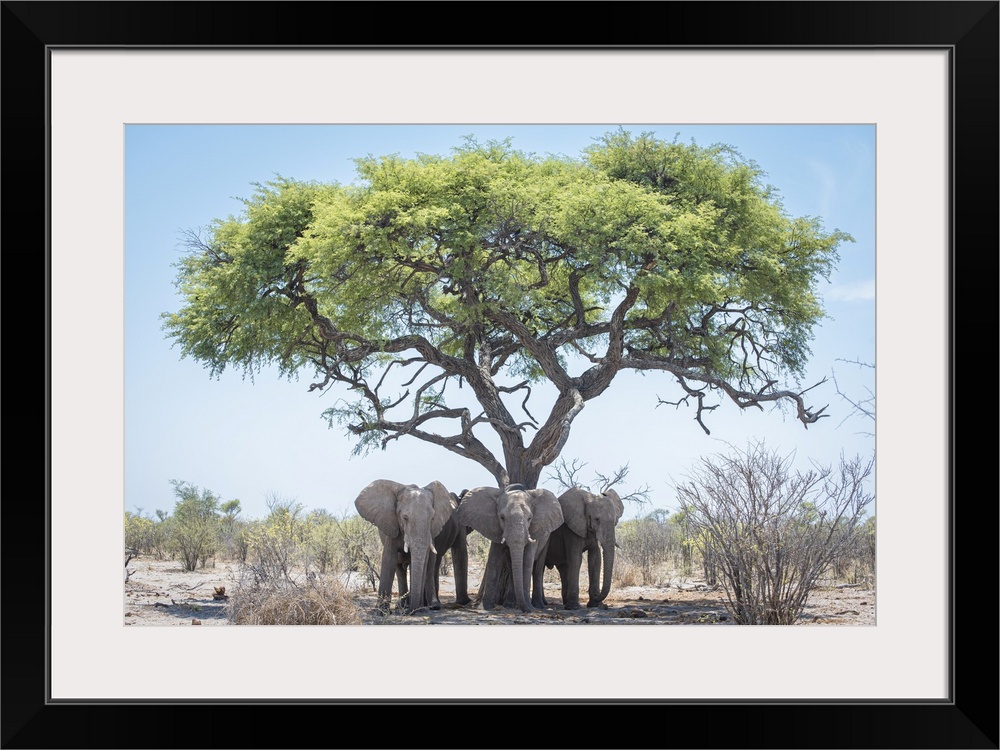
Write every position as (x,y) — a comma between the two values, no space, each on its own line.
(517,521)
(589,522)
(453,537)
(412,521)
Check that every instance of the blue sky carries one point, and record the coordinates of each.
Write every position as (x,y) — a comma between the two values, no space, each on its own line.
(267,438)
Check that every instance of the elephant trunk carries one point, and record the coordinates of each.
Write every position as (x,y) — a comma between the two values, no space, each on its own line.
(518,551)
(609,567)
(418,566)
(421,555)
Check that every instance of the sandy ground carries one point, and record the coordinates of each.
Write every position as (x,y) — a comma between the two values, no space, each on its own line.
(161,593)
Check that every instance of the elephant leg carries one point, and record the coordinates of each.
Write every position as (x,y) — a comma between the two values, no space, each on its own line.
(437,574)
(538,578)
(570,597)
(403,584)
(387,570)
(491,583)
(430,591)
(594,574)
(460,564)
(571,582)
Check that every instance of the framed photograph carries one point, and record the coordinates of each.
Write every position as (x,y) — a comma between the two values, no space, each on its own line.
(920,77)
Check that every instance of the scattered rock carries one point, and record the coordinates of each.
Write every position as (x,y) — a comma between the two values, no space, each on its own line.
(633,612)
(196,622)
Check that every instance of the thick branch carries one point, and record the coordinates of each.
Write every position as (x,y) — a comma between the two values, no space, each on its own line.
(552,436)
(543,352)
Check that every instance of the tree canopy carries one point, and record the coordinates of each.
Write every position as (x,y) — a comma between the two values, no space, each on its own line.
(497,269)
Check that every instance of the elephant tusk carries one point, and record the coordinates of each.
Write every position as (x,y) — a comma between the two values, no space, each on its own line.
(530,540)
(433,549)
(503,540)
(406,547)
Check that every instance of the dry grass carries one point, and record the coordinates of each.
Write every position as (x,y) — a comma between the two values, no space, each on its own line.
(321,601)
(627,574)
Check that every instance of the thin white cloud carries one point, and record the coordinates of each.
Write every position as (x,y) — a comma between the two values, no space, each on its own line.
(856,291)
(827,182)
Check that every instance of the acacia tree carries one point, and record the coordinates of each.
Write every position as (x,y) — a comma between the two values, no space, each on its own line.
(498,270)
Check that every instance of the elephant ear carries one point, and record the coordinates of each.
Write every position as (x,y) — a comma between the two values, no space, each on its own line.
(616,503)
(377,503)
(546,514)
(574,508)
(444,506)
(479,511)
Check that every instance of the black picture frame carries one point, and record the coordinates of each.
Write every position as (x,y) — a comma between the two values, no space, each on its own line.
(968,30)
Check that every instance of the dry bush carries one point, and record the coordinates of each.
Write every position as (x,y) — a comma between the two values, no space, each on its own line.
(774,532)
(321,601)
(627,574)
(644,545)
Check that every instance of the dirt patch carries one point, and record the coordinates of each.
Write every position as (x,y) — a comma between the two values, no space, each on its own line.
(162,593)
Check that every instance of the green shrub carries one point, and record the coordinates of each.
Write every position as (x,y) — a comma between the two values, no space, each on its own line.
(193,529)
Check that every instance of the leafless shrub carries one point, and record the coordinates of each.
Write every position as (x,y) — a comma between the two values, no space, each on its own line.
(320,601)
(773,532)
(857,563)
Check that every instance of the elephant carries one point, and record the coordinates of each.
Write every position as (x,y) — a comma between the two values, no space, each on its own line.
(453,537)
(589,522)
(412,521)
(517,521)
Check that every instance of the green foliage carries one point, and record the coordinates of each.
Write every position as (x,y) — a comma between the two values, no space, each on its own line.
(139,533)
(359,549)
(490,263)
(194,526)
(232,530)
(276,545)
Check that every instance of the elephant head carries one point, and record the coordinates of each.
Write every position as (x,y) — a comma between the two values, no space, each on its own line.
(408,518)
(593,517)
(518,519)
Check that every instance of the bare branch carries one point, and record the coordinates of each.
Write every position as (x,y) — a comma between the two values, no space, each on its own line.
(566,475)
(864,407)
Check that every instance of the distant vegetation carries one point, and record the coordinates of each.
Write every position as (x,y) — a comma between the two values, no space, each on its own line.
(747,523)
